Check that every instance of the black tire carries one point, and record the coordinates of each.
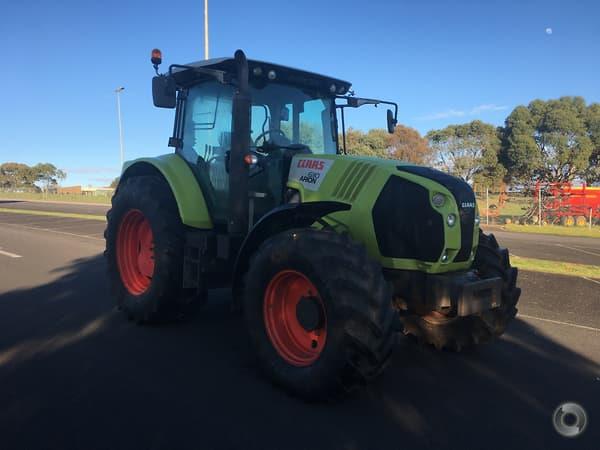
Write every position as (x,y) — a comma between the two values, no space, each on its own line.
(164,299)
(458,333)
(357,302)
(567,221)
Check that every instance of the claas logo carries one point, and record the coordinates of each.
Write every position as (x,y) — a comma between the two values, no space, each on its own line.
(314,164)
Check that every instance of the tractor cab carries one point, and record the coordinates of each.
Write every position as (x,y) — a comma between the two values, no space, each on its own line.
(239,123)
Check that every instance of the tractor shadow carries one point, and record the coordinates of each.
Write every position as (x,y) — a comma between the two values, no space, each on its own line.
(74,373)
(2,202)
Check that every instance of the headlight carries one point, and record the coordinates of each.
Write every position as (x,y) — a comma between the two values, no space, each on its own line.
(438,200)
(451,220)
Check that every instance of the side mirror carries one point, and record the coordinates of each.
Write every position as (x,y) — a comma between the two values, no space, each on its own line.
(391,121)
(164,92)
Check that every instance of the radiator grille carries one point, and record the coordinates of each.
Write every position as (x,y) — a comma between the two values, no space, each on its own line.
(353,180)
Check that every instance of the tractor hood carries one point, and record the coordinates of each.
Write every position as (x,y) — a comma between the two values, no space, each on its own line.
(410,217)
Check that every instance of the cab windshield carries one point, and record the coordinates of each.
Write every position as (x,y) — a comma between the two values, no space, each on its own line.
(284,115)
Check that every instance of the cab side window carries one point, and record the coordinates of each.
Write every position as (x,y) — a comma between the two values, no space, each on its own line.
(207,136)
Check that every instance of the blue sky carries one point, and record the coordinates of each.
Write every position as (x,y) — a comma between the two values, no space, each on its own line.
(442,61)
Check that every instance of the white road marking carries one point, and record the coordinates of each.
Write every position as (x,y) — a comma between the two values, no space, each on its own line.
(558,322)
(589,279)
(9,254)
(54,231)
(578,249)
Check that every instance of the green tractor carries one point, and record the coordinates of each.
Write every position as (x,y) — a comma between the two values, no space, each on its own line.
(328,256)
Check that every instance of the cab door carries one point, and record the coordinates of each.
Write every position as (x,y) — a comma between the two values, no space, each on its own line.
(207,141)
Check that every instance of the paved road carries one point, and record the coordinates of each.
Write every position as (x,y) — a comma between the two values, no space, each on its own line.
(557,248)
(56,206)
(75,374)
(580,250)
(59,225)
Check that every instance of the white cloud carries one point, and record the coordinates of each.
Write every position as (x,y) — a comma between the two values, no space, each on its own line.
(489,107)
(443,115)
(475,111)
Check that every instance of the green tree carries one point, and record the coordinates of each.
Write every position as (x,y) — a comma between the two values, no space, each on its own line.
(520,154)
(373,143)
(549,140)
(469,151)
(114,183)
(592,174)
(405,144)
(48,175)
(17,176)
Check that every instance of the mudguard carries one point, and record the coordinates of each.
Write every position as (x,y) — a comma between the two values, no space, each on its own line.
(186,190)
(284,217)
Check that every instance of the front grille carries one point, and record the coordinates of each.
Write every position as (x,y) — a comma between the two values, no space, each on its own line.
(406,226)
(465,199)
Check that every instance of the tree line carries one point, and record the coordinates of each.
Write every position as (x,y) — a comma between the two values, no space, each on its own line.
(553,141)
(547,140)
(21,177)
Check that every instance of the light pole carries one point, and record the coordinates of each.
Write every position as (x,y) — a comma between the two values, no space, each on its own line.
(118,92)
(205,29)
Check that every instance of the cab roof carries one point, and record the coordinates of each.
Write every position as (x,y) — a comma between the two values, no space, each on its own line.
(260,70)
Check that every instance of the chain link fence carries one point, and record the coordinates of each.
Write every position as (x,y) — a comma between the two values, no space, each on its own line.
(545,205)
(87,196)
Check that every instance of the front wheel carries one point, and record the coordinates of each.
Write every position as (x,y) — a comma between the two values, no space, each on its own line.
(318,312)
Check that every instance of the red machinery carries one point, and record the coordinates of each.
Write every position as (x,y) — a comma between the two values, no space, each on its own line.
(570,205)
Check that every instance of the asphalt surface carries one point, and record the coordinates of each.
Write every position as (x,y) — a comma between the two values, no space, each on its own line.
(74,373)
(58,225)
(68,207)
(582,250)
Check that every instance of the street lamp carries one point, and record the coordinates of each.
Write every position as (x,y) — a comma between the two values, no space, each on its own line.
(118,92)
(205,29)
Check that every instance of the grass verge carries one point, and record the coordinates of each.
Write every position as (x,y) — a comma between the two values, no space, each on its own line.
(556,230)
(53,214)
(555,267)
(75,198)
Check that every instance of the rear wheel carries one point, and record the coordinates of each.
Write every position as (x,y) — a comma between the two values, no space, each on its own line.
(318,312)
(567,221)
(457,333)
(581,221)
(144,251)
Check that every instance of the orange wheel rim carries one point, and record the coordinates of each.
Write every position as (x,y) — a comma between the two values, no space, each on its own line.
(298,340)
(135,252)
